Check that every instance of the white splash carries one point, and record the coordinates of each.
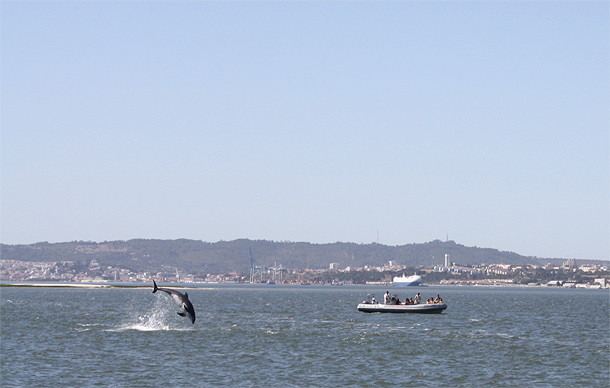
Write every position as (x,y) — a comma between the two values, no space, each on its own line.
(152,321)
(160,317)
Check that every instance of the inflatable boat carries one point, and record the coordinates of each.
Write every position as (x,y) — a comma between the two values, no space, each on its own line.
(372,306)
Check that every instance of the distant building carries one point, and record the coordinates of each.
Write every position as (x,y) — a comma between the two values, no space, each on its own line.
(334,266)
(570,264)
(602,282)
(447,260)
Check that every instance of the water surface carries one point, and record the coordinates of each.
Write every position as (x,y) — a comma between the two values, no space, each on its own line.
(254,336)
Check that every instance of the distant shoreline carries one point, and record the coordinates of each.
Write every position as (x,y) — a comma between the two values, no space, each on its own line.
(70,285)
(142,286)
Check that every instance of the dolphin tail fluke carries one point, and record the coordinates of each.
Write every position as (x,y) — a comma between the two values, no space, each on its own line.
(182,314)
(155,287)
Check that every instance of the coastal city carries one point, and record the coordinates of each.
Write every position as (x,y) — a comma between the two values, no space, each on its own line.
(569,274)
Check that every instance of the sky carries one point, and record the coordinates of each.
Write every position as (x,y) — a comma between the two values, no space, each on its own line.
(396,122)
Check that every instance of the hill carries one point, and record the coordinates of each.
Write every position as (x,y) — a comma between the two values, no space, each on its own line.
(199,257)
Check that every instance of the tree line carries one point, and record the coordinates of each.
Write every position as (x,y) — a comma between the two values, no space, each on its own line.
(199,257)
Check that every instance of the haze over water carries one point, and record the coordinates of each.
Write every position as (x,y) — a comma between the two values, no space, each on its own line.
(253,336)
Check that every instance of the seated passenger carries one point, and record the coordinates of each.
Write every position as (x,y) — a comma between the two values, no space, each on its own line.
(417,298)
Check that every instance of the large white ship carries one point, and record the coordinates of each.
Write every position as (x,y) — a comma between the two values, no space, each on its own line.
(403,281)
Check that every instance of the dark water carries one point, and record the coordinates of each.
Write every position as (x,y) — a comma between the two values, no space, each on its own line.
(278,336)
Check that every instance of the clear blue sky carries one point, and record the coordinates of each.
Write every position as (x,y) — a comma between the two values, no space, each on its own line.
(308,121)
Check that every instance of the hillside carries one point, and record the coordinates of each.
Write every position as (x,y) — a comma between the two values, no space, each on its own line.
(200,257)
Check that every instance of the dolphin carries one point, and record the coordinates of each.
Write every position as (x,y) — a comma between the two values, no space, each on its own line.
(186,308)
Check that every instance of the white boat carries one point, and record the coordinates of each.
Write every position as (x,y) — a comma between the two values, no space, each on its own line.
(372,306)
(404,281)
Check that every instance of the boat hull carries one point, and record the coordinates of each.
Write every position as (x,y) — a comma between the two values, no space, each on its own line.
(407,284)
(401,308)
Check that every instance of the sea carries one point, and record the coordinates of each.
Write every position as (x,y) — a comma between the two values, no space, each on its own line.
(303,336)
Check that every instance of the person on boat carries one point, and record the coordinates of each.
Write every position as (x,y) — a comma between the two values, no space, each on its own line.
(386,297)
(417,298)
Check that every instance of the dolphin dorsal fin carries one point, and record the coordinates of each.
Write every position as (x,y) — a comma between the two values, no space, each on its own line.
(186,295)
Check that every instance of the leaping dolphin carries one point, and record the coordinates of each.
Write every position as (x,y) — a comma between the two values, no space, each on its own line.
(186,308)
